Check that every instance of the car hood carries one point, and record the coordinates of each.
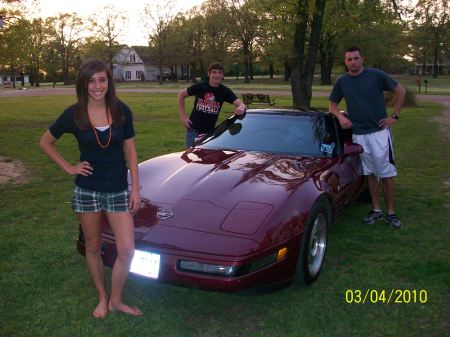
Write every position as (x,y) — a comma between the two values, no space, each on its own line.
(217,192)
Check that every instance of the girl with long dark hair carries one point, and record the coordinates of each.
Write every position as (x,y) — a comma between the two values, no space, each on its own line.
(103,127)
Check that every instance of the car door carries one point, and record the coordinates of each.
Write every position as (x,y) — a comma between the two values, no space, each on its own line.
(345,176)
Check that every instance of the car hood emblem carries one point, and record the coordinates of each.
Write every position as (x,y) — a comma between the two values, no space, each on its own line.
(164,214)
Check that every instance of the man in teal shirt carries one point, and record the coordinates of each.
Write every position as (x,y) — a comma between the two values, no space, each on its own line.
(363,91)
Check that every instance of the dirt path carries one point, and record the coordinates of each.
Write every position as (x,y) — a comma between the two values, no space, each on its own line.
(16,171)
(71,91)
(443,119)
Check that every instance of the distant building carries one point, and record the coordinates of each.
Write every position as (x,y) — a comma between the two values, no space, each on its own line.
(427,68)
(129,66)
(7,78)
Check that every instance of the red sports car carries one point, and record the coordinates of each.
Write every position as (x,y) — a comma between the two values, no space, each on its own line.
(248,207)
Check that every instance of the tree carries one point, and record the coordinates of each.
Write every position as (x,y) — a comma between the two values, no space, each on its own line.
(434,17)
(38,38)
(156,21)
(338,20)
(180,45)
(376,21)
(244,27)
(183,39)
(107,25)
(195,47)
(12,52)
(307,33)
(66,33)
(52,62)
(216,31)
(277,33)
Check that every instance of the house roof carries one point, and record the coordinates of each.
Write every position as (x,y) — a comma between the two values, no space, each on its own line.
(144,54)
(122,57)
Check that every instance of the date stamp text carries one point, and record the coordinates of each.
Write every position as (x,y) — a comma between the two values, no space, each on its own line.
(389,296)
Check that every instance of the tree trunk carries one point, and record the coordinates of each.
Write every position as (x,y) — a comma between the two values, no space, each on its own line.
(246,64)
(287,69)
(13,76)
(299,53)
(326,67)
(66,75)
(37,71)
(65,65)
(327,54)
(303,66)
(436,55)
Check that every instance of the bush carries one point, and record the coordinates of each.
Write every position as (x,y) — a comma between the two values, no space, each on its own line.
(410,98)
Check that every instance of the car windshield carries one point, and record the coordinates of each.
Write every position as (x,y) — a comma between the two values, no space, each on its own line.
(300,135)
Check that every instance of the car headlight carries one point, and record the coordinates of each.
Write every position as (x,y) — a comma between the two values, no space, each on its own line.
(223,270)
(205,268)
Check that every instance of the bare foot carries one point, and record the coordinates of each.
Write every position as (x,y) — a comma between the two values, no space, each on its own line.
(125,309)
(100,311)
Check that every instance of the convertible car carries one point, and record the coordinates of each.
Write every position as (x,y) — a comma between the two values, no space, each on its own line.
(248,207)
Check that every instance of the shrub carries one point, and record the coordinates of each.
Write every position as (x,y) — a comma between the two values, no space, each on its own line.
(410,98)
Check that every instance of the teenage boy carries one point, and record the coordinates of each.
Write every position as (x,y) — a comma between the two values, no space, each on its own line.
(209,98)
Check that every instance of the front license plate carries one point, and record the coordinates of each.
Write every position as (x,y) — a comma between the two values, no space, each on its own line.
(145,264)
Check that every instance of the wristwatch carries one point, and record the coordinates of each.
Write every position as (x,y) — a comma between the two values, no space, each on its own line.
(394,116)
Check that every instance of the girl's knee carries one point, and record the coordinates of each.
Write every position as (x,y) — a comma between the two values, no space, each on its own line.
(125,253)
(93,248)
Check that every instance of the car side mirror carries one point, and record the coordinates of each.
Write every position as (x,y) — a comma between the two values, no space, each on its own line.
(352,148)
(235,129)
(200,138)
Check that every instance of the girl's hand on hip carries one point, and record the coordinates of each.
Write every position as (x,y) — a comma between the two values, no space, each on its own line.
(83,168)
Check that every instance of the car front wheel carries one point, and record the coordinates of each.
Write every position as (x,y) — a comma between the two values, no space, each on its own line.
(314,243)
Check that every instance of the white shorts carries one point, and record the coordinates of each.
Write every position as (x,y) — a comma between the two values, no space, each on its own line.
(378,156)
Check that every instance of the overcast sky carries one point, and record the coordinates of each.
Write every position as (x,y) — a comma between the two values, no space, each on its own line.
(131,8)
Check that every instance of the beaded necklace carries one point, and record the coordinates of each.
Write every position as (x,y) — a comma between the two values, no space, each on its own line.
(96,134)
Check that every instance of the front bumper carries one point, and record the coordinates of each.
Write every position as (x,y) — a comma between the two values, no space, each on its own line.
(267,277)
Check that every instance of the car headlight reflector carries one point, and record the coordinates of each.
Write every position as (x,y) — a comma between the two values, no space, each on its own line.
(205,268)
(232,270)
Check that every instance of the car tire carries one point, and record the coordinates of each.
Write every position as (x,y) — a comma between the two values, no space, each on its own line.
(314,243)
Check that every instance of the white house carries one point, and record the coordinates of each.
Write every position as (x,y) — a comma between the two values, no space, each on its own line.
(6,78)
(129,66)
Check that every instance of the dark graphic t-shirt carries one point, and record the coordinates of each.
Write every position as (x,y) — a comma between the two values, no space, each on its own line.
(207,105)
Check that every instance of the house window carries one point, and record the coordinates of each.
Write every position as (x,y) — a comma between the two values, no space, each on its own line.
(133,58)
(139,74)
(128,75)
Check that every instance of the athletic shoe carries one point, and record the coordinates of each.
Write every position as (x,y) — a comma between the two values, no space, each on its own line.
(372,216)
(393,221)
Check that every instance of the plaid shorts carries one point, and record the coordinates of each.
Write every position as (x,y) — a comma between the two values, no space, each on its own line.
(87,201)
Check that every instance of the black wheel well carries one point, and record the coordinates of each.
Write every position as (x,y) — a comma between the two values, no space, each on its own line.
(325,197)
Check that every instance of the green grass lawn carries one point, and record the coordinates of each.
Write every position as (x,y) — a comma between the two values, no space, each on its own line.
(45,288)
